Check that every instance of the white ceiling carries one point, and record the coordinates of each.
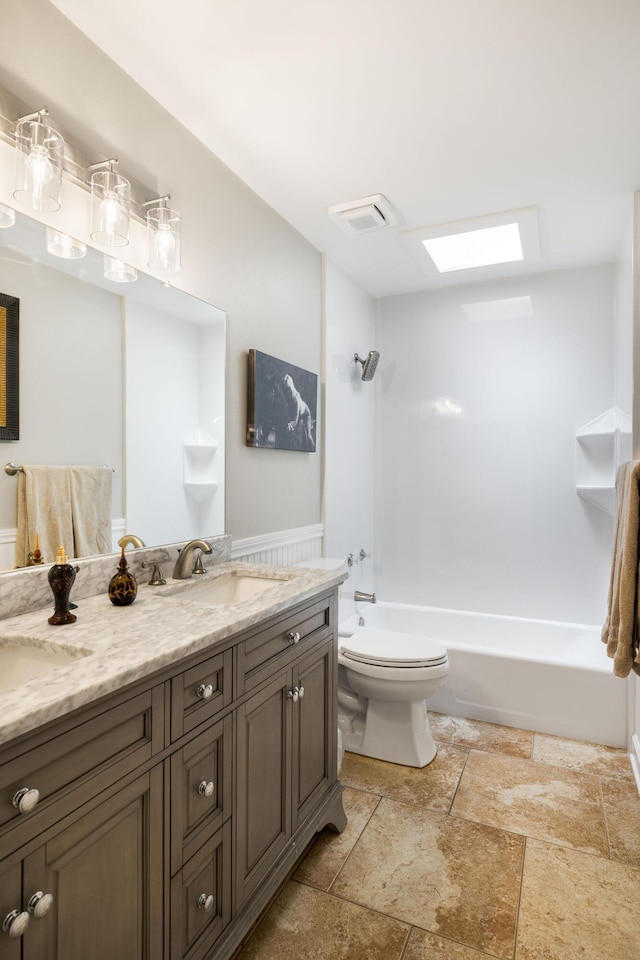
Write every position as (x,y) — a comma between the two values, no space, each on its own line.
(452,109)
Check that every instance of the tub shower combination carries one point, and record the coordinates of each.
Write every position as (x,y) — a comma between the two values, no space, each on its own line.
(538,675)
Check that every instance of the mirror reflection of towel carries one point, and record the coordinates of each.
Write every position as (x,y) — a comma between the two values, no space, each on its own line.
(64,505)
(620,631)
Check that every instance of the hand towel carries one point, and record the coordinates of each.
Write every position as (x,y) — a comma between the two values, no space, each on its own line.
(91,509)
(44,507)
(620,631)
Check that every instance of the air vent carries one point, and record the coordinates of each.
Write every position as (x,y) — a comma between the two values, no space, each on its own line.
(364,215)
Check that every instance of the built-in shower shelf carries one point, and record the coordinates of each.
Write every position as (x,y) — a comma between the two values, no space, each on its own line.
(601,497)
(199,490)
(199,465)
(601,446)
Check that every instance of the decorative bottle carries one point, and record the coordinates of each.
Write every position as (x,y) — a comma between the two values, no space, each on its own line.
(61,577)
(122,586)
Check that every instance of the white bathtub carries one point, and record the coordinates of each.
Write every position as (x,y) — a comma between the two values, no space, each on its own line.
(535,674)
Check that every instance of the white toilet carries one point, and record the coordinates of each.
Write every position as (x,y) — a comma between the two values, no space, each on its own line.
(384,680)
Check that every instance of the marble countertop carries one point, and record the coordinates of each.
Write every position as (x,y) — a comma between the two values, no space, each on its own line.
(116,646)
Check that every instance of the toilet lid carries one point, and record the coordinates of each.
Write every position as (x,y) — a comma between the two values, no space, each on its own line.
(388,649)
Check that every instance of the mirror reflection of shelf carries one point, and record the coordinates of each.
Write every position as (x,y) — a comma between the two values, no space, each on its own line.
(601,446)
(199,462)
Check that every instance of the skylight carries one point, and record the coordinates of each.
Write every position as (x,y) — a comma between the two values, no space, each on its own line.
(475,248)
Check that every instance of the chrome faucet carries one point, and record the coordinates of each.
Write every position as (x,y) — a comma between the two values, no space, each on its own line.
(187,560)
(132,539)
(366,597)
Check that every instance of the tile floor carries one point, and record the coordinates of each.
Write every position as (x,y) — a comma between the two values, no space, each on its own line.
(511,844)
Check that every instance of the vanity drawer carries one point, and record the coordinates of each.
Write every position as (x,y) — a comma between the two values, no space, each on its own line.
(268,650)
(201,899)
(201,775)
(93,753)
(200,692)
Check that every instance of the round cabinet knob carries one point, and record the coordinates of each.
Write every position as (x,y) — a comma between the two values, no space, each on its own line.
(40,904)
(204,691)
(26,799)
(293,695)
(293,636)
(300,692)
(205,789)
(205,902)
(15,924)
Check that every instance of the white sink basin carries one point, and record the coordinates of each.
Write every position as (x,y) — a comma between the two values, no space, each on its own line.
(227,588)
(21,662)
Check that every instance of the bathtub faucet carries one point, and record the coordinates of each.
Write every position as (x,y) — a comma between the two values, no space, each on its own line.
(366,597)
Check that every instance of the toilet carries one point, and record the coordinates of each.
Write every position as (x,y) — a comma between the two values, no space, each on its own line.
(384,681)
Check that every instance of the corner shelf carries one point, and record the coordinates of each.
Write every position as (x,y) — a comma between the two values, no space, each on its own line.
(601,446)
(199,474)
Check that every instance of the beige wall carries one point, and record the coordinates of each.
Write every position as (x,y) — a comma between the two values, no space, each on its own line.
(237,252)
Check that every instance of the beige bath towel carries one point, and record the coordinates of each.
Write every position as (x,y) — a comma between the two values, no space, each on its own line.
(44,507)
(91,509)
(620,631)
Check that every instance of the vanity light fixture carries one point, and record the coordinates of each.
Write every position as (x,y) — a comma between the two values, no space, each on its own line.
(63,246)
(163,236)
(110,205)
(118,270)
(7,216)
(39,159)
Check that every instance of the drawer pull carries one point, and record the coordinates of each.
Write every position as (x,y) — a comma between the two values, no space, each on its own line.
(300,692)
(40,904)
(204,691)
(205,789)
(293,636)
(26,799)
(294,695)
(15,924)
(205,902)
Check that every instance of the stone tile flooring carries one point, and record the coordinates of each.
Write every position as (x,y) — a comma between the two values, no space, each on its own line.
(511,844)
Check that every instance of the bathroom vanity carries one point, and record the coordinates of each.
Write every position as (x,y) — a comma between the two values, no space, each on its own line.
(155,819)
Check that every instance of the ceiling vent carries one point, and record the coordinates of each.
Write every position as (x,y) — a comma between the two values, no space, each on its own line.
(364,215)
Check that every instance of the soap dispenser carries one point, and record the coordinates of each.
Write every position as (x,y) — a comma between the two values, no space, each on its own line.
(61,577)
(122,586)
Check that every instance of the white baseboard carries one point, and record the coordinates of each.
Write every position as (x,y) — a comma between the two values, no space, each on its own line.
(283,548)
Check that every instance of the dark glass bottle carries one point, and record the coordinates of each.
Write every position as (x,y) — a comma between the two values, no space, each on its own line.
(122,586)
(61,577)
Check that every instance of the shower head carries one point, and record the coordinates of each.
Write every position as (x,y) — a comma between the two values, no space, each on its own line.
(369,365)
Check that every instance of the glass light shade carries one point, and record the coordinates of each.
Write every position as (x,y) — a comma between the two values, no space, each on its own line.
(110,208)
(63,246)
(7,216)
(39,157)
(163,240)
(118,270)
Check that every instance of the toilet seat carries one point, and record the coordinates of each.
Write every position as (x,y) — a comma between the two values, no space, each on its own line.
(372,647)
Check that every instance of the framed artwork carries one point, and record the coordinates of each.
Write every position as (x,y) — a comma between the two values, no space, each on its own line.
(282,405)
(9,396)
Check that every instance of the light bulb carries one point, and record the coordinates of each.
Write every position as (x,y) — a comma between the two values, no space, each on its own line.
(39,169)
(110,210)
(164,244)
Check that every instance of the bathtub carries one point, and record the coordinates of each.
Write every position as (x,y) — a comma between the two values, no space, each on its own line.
(538,675)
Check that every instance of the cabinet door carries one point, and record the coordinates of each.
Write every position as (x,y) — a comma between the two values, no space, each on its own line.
(314,731)
(104,871)
(10,903)
(263,822)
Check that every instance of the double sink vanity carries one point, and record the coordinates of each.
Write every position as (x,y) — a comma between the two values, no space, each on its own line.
(164,765)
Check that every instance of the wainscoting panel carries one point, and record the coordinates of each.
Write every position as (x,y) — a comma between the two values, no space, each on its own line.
(284,548)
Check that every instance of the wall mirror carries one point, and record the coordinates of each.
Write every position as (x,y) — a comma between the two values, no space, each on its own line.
(126,374)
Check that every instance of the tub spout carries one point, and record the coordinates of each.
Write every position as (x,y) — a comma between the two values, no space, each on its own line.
(365,597)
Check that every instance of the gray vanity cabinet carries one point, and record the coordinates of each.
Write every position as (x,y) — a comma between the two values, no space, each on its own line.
(170,813)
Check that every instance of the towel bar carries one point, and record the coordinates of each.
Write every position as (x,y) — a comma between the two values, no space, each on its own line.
(12,468)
